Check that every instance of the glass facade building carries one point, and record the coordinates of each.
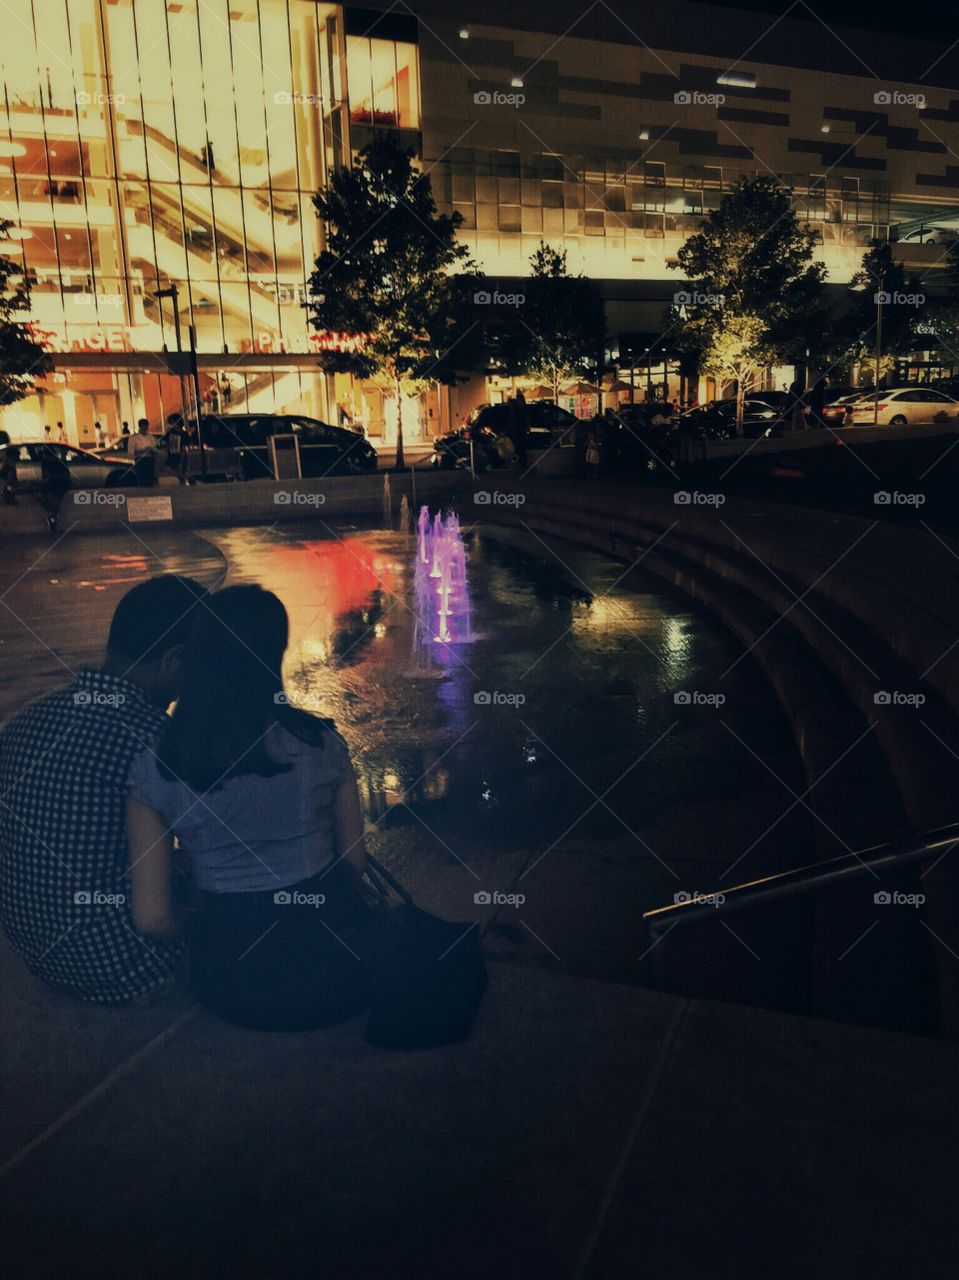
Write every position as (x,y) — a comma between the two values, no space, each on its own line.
(150,144)
(173,147)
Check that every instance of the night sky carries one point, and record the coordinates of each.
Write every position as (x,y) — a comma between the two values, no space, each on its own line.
(927,22)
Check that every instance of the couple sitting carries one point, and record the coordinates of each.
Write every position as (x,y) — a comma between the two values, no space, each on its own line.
(97,781)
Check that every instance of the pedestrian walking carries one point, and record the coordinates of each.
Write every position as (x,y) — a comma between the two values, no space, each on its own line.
(141,449)
(54,483)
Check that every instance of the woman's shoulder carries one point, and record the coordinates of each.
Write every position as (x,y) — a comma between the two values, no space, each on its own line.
(314,741)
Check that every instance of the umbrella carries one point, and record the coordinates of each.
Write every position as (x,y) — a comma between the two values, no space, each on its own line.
(581,389)
(617,386)
(542,392)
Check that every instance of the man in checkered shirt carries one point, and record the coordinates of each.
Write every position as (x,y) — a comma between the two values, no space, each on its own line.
(64,766)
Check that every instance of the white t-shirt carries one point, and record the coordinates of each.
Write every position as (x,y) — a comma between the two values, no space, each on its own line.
(140,443)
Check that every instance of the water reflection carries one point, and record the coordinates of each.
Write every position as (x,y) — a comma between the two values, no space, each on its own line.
(587,658)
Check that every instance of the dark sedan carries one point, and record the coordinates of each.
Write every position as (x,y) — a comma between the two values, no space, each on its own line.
(251,439)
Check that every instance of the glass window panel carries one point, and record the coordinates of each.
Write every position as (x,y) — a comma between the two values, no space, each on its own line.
(383,73)
(408,86)
(359,79)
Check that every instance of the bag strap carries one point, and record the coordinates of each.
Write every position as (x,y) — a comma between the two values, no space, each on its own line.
(377,871)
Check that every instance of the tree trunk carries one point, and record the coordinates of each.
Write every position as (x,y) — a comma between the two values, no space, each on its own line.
(740,399)
(400,458)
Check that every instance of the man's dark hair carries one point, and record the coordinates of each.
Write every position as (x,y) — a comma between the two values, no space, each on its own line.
(154,616)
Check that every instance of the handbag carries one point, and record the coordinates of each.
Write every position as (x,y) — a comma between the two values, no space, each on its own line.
(428,975)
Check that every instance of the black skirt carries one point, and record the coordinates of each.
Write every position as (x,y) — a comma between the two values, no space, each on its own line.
(284,960)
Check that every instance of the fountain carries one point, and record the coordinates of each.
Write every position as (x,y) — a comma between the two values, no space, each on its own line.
(440,586)
(405,516)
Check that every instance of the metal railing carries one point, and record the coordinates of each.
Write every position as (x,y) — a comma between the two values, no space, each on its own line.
(701,907)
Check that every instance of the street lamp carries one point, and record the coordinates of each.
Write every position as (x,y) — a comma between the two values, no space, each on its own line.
(173,293)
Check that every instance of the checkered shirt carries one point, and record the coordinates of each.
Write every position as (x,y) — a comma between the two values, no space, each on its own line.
(64,888)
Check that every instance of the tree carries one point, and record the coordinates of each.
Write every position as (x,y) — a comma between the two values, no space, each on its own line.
(753,285)
(22,358)
(392,276)
(561,321)
(880,286)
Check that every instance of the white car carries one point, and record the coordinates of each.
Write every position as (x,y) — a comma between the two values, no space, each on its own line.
(87,471)
(900,406)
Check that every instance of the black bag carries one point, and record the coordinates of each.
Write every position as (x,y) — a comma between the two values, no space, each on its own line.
(428,975)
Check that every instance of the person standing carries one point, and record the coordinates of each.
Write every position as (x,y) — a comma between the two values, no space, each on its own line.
(62,434)
(817,400)
(54,483)
(8,471)
(48,434)
(796,419)
(64,765)
(141,449)
(520,433)
(98,435)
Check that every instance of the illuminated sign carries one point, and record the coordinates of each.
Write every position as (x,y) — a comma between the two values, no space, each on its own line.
(267,342)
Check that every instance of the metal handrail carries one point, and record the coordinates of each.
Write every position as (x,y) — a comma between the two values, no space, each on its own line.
(819,875)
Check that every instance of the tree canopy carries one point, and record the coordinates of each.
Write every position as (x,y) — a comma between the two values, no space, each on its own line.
(393,276)
(22,358)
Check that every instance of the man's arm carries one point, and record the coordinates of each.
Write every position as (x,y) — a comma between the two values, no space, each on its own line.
(151,859)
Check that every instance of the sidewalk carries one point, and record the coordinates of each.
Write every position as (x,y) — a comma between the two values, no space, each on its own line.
(585,1126)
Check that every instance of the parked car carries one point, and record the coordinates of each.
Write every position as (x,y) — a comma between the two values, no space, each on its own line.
(240,442)
(833,411)
(717,420)
(900,406)
(488,429)
(87,470)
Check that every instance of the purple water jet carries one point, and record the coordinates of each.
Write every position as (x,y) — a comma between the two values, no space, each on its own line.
(440,585)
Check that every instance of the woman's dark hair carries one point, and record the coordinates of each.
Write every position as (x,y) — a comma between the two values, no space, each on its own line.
(231,687)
